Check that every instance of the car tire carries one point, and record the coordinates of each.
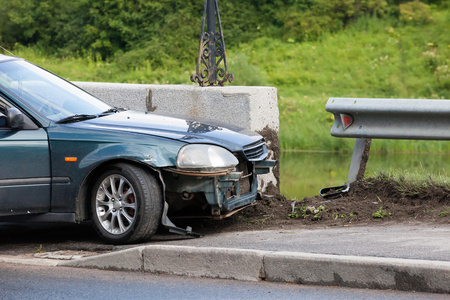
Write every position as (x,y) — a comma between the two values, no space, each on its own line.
(126,204)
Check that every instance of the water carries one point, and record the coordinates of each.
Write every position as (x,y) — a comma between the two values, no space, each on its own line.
(303,174)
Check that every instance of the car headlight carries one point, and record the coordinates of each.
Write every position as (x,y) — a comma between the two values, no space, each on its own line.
(209,158)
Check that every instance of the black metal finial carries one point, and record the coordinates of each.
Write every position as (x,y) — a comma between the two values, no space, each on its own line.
(212,46)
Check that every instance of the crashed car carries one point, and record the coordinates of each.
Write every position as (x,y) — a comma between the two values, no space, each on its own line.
(66,156)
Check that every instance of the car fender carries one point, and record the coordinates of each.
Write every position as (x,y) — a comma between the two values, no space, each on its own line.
(76,160)
(155,156)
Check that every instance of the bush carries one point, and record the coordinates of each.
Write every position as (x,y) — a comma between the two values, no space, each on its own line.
(309,22)
(415,12)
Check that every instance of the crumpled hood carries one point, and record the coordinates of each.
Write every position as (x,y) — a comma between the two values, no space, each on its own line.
(185,129)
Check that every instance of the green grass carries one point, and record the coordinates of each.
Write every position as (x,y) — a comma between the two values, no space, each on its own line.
(417,185)
(408,180)
(372,58)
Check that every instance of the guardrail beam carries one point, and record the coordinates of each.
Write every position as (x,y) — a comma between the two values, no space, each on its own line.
(414,119)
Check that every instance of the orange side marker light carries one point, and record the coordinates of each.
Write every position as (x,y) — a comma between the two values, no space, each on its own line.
(70,159)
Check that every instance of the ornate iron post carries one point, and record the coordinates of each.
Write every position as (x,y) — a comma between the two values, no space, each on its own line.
(212,46)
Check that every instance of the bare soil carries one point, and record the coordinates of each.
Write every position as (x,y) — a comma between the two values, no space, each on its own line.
(368,201)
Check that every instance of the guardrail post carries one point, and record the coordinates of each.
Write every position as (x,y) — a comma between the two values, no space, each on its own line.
(359,160)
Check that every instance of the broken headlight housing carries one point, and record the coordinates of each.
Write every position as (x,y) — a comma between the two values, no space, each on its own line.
(205,158)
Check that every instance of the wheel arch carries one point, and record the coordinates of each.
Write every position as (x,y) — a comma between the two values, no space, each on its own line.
(82,211)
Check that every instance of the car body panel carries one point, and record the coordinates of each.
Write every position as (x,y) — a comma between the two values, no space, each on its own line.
(25,176)
(92,148)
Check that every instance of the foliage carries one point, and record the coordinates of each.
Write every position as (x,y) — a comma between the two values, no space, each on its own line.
(109,29)
(444,213)
(380,213)
(307,20)
(39,250)
(353,216)
(309,212)
(416,12)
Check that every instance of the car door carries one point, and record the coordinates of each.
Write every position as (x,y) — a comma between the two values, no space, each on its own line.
(25,179)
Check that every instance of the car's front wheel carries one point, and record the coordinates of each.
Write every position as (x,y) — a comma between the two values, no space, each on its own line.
(126,204)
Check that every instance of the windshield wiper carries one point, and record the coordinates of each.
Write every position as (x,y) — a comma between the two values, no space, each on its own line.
(110,111)
(76,118)
(83,117)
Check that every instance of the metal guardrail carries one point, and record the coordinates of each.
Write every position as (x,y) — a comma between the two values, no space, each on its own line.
(364,119)
(416,119)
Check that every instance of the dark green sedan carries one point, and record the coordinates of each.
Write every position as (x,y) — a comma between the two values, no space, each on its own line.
(66,156)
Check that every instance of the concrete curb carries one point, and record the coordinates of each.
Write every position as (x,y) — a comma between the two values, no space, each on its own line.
(358,271)
(205,262)
(124,260)
(292,267)
(29,261)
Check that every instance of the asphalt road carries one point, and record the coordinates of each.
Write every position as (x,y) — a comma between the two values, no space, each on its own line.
(26,238)
(418,241)
(37,282)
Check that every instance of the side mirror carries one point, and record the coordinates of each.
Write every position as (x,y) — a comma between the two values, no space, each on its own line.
(15,118)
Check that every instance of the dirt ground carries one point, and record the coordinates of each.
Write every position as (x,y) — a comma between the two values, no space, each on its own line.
(368,201)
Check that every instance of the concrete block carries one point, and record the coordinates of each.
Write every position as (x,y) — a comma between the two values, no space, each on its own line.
(204,262)
(358,272)
(132,96)
(125,260)
(252,108)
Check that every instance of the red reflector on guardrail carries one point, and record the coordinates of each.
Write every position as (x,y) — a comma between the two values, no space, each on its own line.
(346,120)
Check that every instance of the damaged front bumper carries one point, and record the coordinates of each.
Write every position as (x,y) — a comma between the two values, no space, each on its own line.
(222,192)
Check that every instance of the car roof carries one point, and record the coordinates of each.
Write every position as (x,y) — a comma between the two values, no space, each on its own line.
(7,57)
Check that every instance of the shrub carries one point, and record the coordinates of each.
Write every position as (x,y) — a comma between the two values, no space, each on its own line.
(415,12)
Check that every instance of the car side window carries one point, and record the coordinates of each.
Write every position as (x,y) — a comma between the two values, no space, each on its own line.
(18,121)
(3,119)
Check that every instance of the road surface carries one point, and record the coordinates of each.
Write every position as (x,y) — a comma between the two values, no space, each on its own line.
(38,282)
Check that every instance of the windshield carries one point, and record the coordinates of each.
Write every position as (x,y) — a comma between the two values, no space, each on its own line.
(51,96)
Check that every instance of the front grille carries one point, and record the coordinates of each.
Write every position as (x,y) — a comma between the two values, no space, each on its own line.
(256,151)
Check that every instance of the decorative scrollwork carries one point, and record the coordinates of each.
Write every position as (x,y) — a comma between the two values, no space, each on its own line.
(211,51)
